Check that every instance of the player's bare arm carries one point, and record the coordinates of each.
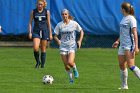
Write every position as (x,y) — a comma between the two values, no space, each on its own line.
(134,31)
(79,42)
(49,25)
(30,26)
(56,39)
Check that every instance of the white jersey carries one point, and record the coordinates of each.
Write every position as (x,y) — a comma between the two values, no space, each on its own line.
(126,36)
(67,34)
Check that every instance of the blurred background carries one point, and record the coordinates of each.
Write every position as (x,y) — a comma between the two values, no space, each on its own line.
(99,19)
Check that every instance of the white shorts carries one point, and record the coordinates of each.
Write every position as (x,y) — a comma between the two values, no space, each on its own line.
(66,52)
(122,50)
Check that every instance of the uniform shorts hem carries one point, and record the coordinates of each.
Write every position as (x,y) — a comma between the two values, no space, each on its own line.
(62,52)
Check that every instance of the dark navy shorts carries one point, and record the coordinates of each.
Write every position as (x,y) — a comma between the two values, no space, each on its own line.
(42,34)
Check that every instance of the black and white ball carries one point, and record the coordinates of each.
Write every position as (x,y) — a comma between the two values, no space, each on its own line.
(47,79)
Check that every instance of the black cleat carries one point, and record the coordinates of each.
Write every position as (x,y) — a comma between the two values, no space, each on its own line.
(42,66)
(37,65)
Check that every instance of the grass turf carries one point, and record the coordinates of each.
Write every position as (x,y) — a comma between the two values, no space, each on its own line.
(98,69)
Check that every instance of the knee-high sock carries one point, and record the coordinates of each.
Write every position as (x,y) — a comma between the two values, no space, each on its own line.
(43,58)
(36,56)
(124,77)
(69,74)
(74,67)
(136,71)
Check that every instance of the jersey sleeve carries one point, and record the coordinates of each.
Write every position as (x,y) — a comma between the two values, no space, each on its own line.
(56,30)
(78,27)
(133,22)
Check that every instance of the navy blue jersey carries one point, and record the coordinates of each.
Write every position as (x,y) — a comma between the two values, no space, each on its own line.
(40,20)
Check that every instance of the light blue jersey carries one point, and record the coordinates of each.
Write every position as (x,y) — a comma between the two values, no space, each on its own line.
(126,36)
(68,34)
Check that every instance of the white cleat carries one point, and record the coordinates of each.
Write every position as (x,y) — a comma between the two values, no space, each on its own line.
(123,88)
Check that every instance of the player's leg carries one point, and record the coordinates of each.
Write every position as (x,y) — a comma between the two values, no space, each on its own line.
(123,71)
(64,57)
(36,43)
(130,57)
(123,68)
(72,64)
(43,52)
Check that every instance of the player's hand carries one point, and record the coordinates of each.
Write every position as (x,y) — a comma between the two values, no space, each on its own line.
(136,51)
(115,44)
(51,37)
(59,42)
(79,44)
(30,35)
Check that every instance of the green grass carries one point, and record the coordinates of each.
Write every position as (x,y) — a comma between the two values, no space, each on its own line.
(98,68)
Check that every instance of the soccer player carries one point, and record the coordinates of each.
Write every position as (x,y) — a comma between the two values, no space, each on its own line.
(67,43)
(128,44)
(41,31)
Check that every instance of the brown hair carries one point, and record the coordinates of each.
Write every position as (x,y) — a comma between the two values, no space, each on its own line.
(44,1)
(66,10)
(128,8)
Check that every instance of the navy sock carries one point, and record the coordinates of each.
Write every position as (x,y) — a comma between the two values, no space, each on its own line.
(43,59)
(36,55)
(132,68)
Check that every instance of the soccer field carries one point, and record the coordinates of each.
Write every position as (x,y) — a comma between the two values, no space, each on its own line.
(98,69)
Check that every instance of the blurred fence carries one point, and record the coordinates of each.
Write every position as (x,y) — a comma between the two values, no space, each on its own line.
(89,41)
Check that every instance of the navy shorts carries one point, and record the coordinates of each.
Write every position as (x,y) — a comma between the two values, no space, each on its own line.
(42,34)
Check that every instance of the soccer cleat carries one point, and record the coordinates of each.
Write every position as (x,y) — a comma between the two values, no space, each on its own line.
(42,66)
(71,82)
(123,88)
(76,74)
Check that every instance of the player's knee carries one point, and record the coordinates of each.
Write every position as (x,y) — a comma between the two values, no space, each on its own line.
(122,66)
(71,64)
(36,49)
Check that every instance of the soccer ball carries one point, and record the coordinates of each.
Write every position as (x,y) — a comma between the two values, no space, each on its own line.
(47,79)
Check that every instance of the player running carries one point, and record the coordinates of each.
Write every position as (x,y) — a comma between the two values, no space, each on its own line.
(67,43)
(128,44)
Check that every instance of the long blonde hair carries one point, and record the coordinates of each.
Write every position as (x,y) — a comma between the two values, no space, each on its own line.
(44,1)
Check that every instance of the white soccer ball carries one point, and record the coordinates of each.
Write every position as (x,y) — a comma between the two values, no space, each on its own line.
(47,79)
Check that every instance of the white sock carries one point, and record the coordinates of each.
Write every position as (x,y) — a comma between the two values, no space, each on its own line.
(124,77)
(136,71)
(69,74)
(74,67)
